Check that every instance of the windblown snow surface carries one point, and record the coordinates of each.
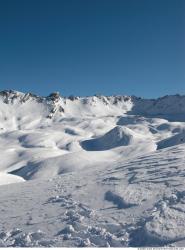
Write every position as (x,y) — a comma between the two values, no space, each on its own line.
(93,171)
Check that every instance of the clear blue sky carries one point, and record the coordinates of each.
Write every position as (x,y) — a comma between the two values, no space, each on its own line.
(84,47)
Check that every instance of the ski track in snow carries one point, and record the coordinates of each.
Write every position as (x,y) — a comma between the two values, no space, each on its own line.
(91,172)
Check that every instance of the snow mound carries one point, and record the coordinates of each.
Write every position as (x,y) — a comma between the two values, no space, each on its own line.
(167,222)
(37,140)
(116,137)
(6,179)
(172,141)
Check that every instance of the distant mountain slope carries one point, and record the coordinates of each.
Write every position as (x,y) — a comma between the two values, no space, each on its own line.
(29,110)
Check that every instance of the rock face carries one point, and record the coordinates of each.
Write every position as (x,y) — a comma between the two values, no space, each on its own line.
(55,96)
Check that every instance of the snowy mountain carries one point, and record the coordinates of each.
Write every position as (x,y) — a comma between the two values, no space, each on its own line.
(92,171)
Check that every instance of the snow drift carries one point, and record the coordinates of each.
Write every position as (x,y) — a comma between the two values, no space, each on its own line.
(99,171)
(116,137)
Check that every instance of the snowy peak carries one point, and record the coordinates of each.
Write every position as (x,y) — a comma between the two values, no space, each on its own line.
(11,96)
(169,104)
(57,106)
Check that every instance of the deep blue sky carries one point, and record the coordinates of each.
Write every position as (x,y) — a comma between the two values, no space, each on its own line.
(84,47)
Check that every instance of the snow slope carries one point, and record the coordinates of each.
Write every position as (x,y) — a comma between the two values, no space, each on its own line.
(92,171)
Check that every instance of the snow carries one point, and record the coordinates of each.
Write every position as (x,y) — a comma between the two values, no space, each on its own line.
(8,179)
(116,137)
(91,171)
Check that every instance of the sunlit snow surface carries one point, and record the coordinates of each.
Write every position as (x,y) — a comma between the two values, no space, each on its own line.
(94,171)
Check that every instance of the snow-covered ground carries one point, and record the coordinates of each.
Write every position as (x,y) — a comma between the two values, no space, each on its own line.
(92,171)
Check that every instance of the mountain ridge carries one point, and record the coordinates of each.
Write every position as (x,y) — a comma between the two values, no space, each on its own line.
(116,104)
